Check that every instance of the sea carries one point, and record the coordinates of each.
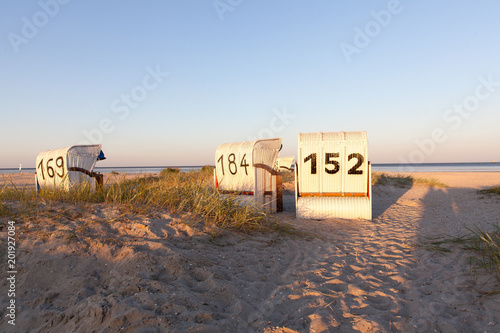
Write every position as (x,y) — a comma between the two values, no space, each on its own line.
(383,167)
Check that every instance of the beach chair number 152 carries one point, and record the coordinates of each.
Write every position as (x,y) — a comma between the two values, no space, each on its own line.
(332,166)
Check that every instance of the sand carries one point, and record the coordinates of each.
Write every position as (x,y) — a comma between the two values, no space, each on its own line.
(108,270)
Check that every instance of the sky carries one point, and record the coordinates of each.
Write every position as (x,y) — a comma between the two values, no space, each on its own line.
(164,83)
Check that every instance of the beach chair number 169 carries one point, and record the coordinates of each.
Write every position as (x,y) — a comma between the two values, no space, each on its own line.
(335,165)
(51,172)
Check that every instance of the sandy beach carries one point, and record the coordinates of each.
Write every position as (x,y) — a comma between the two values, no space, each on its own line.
(105,269)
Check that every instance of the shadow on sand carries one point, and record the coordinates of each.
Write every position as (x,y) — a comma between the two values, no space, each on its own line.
(387,191)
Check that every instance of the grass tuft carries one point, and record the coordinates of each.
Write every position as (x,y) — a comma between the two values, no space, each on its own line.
(490,191)
(430,182)
(487,247)
(380,178)
(167,171)
(4,210)
(484,245)
(207,168)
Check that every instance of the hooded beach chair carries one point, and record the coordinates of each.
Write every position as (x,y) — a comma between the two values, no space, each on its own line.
(333,176)
(68,166)
(247,169)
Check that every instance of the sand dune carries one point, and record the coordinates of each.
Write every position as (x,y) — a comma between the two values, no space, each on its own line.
(163,272)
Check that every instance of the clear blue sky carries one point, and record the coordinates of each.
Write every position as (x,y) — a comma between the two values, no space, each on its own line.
(401,70)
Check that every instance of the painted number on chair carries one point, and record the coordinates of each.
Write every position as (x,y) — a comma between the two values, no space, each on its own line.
(231,165)
(332,163)
(51,168)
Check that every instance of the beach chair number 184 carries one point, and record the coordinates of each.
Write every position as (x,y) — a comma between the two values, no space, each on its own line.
(232,166)
(335,165)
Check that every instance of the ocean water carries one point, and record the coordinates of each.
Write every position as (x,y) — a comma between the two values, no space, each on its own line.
(387,167)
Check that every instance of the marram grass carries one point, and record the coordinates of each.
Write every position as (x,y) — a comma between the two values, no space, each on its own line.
(381,178)
(484,246)
(176,191)
(487,247)
(4,210)
(491,191)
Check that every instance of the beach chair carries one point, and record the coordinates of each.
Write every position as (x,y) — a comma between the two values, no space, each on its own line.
(246,169)
(284,163)
(333,176)
(68,166)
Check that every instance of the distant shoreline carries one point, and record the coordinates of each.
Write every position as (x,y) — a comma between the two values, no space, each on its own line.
(382,167)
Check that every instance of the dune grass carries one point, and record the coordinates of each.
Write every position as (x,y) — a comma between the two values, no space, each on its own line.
(173,190)
(491,191)
(4,210)
(429,181)
(484,247)
(487,247)
(403,181)
(166,171)
(380,178)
